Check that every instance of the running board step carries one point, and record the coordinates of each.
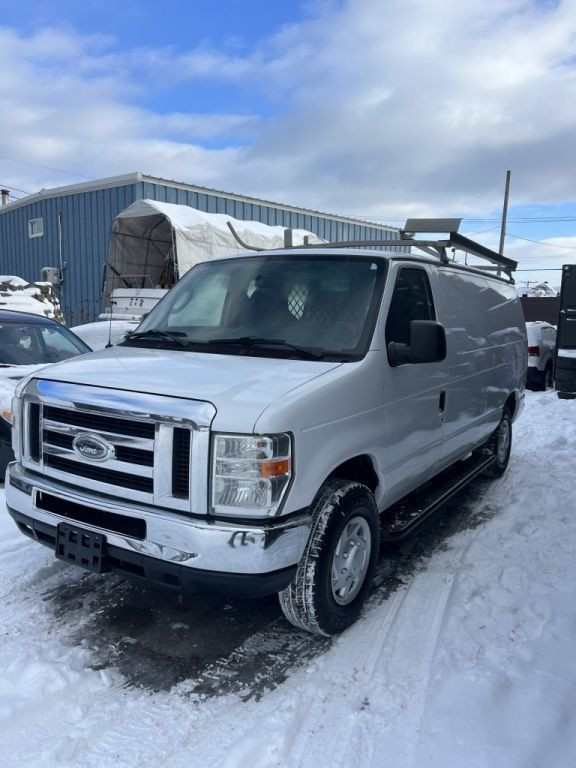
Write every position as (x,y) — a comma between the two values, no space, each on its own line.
(403,518)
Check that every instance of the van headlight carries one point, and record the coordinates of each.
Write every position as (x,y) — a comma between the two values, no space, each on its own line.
(250,473)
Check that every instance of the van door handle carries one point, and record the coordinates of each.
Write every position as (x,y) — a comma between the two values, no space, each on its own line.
(442,401)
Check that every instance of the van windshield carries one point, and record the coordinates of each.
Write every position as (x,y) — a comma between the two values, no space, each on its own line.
(300,306)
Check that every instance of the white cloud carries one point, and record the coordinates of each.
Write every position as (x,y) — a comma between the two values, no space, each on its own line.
(408,107)
(69,103)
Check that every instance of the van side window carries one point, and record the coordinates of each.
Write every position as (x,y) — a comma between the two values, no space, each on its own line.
(411,300)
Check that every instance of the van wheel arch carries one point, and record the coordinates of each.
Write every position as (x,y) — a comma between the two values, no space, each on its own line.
(511,405)
(359,469)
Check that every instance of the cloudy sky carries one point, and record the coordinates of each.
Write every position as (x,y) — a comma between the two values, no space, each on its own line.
(371,108)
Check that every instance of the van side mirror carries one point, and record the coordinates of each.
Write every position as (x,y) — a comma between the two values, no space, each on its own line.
(427,344)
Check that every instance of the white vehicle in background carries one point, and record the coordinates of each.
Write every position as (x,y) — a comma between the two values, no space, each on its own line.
(541,351)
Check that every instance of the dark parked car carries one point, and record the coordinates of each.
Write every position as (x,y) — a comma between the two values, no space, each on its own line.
(27,340)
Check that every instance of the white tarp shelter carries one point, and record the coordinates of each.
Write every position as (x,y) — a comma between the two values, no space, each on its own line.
(154,243)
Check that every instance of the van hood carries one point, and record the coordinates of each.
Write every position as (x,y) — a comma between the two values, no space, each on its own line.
(240,387)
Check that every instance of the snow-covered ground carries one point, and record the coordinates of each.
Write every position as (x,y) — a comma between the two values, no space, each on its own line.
(465,660)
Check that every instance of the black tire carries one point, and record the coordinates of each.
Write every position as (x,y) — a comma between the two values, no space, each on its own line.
(313,601)
(500,444)
(544,380)
(537,381)
(540,384)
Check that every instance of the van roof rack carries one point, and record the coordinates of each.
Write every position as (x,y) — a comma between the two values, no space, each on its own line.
(436,248)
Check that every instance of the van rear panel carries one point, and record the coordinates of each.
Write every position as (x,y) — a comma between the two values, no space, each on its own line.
(486,353)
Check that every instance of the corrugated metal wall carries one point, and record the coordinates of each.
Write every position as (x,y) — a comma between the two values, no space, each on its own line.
(84,220)
(77,226)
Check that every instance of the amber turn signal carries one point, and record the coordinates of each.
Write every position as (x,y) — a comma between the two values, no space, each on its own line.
(275,468)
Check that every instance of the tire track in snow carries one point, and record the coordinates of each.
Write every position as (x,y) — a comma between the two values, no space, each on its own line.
(393,652)
(319,724)
(13,546)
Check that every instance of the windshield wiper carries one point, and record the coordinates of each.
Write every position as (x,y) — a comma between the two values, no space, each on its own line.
(172,336)
(251,342)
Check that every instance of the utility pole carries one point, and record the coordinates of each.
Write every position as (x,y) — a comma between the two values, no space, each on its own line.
(504,213)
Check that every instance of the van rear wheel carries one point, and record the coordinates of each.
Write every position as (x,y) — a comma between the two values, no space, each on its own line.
(500,444)
(335,572)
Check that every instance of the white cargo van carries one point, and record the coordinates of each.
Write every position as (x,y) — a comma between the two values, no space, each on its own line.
(275,416)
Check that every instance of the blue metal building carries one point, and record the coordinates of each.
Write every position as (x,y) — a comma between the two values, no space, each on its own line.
(68,228)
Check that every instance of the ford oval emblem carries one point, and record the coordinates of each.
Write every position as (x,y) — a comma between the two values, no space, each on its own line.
(92,447)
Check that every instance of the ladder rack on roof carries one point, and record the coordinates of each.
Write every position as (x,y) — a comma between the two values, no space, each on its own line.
(436,248)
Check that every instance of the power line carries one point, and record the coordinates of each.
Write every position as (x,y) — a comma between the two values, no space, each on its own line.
(47,167)
(540,242)
(481,232)
(8,186)
(528,219)
(512,219)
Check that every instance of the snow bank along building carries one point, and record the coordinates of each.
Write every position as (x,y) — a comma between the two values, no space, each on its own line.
(67,229)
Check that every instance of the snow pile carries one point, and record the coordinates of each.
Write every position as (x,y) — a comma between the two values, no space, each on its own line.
(467,662)
(12,281)
(540,290)
(97,334)
(35,298)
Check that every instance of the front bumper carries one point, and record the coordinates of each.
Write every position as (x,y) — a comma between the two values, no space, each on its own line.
(163,547)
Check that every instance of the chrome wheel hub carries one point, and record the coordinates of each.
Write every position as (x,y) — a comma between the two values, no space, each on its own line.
(351,560)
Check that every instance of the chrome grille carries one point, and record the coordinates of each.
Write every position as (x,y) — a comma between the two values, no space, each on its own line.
(96,422)
(147,455)
(181,463)
(100,474)
(132,467)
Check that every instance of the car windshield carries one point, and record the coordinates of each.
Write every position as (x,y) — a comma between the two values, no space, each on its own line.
(302,306)
(23,343)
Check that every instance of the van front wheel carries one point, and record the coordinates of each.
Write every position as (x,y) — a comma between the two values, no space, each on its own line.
(335,572)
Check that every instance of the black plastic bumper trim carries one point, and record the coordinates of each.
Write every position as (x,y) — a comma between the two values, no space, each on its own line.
(159,573)
(82,513)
